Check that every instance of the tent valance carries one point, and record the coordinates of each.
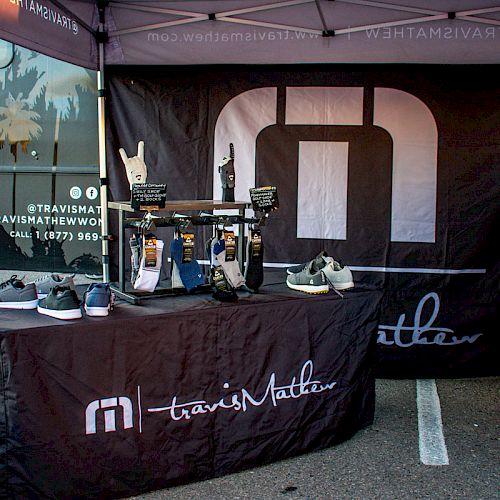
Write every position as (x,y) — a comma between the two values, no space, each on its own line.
(257,31)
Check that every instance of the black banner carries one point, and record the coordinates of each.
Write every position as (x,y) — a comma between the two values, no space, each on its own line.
(393,170)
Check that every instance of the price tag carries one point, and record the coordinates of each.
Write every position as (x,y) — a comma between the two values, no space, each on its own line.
(255,242)
(264,199)
(187,247)
(149,196)
(150,251)
(230,245)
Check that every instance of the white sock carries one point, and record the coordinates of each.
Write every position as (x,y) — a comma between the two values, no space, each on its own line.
(148,277)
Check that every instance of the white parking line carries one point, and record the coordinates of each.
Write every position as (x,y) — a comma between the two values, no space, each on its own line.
(430,427)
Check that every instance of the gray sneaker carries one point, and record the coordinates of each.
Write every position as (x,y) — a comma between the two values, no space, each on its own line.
(46,283)
(309,280)
(340,277)
(14,294)
(319,262)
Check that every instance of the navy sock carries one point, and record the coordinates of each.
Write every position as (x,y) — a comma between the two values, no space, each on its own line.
(190,272)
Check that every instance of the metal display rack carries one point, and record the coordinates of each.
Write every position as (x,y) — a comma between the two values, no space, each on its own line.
(166,217)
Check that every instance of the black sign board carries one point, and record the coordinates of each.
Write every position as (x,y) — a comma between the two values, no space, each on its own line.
(264,199)
(148,196)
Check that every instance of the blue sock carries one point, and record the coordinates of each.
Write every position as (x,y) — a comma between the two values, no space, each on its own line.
(190,272)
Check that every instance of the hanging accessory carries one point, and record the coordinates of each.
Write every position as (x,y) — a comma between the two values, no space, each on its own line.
(254,269)
(181,253)
(148,277)
(229,264)
(227,175)
(222,289)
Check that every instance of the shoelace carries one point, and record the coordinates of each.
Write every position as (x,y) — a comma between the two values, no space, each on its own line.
(5,283)
(38,280)
(11,280)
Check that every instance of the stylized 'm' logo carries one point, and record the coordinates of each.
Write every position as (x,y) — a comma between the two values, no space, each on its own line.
(406,118)
(109,406)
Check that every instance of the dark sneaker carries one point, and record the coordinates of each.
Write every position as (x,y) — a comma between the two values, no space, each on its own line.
(61,303)
(45,283)
(98,299)
(14,294)
(309,280)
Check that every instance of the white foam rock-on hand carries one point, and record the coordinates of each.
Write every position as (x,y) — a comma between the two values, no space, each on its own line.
(136,169)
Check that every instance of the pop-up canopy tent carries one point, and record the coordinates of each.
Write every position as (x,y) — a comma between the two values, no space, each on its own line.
(420,135)
(391,168)
(259,31)
(95,33)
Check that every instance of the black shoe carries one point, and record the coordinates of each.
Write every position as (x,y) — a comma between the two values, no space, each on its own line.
(61,303)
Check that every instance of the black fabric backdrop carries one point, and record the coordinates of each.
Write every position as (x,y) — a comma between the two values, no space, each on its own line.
(174,110)
(190,349)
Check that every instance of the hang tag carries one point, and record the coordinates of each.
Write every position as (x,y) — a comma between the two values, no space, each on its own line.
(256,242)
(187,247)
(219,279)
(150,251)
(230,245)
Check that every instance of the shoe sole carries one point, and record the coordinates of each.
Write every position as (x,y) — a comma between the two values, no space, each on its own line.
(313,290)
(29,304)
(63,314)
(96,311)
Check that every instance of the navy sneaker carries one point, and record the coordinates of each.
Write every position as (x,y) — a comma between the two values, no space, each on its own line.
(98,299)
(61,303)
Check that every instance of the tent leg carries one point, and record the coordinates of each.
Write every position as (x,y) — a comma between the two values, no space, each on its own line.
(102,166)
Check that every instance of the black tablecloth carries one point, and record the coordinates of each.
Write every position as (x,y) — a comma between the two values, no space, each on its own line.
(180,389)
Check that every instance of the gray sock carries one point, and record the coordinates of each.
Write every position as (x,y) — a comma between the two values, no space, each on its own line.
(231,270)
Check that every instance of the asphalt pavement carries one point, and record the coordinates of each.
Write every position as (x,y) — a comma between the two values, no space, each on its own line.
(383,461)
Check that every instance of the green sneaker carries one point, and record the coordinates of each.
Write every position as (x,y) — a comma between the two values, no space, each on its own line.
(61,303)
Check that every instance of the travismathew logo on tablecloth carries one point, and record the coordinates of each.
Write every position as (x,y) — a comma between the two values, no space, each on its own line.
(421,334)
(238,401)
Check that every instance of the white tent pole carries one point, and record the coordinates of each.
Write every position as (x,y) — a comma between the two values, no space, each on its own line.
(103,178)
